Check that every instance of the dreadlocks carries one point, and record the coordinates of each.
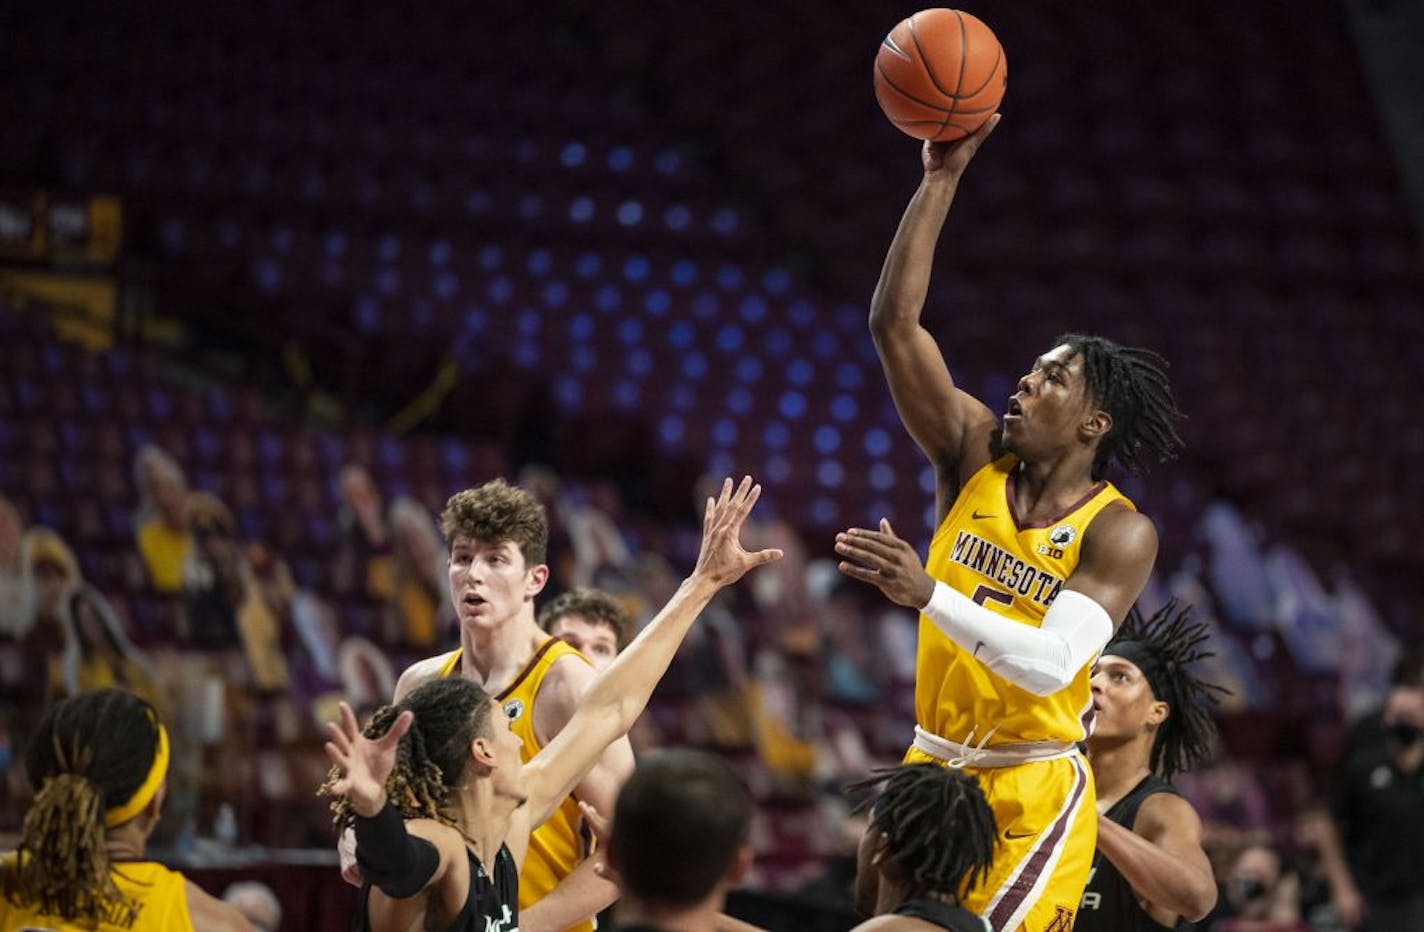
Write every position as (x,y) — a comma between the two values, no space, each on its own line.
(1164,647)
(1130,384)
(89,755)
(449,714)
(939,828)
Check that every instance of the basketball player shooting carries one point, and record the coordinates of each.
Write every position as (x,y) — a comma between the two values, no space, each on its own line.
(1034,562)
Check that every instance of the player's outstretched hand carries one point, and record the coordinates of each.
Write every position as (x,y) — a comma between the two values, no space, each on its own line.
(723,560)
(953,157)
(887,562)
(365,763)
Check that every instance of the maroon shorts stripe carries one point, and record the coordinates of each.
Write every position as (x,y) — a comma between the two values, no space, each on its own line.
(1028,877)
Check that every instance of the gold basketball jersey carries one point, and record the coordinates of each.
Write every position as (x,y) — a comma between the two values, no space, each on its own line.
(1015,570)
(160,894)
(557,846)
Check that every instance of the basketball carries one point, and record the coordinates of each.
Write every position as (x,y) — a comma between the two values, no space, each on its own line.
(940,74)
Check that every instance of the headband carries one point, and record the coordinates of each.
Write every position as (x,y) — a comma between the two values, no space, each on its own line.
(118,815)
(1142,656)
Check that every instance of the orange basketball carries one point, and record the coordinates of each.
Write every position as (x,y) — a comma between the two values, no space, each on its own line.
(940,74)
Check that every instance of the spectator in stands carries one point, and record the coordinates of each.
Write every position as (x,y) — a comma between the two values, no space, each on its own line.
(99,763)
(264,619)
(418,575)
(365,564)
(591,622)
(161,522)
(366,675)
(17,590)
(592,523)
(1262,894)
(1369,856)
(257,902)
(56,575)
(214,573)
(97,651)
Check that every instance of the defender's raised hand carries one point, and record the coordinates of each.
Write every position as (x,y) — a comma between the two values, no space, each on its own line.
(723,560)
(365,763)
(887,562)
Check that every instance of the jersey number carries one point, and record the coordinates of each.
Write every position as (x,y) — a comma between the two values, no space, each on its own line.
(989,594)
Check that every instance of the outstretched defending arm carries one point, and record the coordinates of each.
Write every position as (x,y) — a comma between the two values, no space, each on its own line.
(954,429)
(1118,552)
(616,699)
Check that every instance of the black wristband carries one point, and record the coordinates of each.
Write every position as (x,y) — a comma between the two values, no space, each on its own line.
(390,857)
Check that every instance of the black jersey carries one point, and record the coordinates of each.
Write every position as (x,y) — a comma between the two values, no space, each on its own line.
(492,904)
(1109,905)
(945,915)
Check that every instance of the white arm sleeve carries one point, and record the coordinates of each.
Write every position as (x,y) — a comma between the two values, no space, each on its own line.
(1042,660)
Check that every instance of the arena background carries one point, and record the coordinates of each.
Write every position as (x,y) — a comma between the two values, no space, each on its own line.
(612,249)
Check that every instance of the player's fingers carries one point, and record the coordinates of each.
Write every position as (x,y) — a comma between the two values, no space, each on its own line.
(744,506)
(869,542)
(595,821)
(398,728)
(348,721)
(857,550)
(860,573)
(740,496)
(336,756)
(763,557)
(338,738)
(726,492)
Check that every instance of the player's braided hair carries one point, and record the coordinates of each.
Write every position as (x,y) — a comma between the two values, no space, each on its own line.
(941,832)
(89,754)
(1131,385)
(430,759)
(1172,642)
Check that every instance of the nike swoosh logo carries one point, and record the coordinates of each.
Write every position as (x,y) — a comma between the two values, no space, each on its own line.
(978,517)
(1019,834)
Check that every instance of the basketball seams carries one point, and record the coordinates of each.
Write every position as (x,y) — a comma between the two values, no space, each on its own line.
(925,61)
(886,80)
(998,59)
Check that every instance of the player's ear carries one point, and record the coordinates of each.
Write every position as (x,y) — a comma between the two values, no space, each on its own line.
(535,580)
(1158,713)
(741,866)
(482,750)
(155,805)
(879,849)
(1096,425)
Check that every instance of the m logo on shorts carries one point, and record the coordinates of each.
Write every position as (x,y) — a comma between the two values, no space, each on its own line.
(1062,920)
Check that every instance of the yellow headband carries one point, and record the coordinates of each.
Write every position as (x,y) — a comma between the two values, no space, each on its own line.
(118,815)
